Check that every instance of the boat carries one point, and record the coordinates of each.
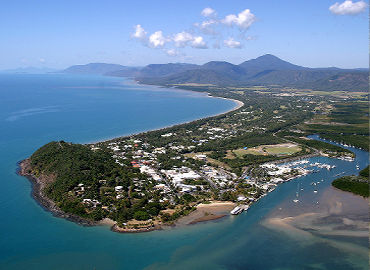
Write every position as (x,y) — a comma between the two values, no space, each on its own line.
(357,167)
(315,191)
(236,211)
(296,194)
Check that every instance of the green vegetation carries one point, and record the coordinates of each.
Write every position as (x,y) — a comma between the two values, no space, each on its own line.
(347,123)
(364,173)
(359,185)
(265,71)
(159,176)
(79,173)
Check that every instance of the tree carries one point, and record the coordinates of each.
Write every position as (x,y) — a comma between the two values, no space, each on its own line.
(141,215)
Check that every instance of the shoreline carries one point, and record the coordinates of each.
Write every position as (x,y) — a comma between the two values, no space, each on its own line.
(238,104)
(204,212)
(37,186)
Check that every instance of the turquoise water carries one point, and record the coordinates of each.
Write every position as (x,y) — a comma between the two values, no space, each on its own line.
(35,109)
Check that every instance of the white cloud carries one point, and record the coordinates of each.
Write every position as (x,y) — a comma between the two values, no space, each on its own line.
(231,43)
(139,32)
(182,39)
(207,27)
(172,52)
(199,43)
(42,60)
(208,12)
(348,7)
(198,37)
(243,20)
(157,39)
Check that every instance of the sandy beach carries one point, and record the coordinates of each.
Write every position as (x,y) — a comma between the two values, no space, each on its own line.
(207,212)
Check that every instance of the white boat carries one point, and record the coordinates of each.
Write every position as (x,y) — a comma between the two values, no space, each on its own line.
(296,194)
(315,191)
(237,210)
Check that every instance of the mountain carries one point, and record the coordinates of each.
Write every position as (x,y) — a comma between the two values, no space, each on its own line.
(160,70)
(94,68)
(190,76)
(269,62)
(350,81)
(29,70)
(264,70)
(225,68)
(289,77)
(125,72)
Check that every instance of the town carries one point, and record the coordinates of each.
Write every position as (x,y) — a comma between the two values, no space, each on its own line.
(231,157)
(149,180)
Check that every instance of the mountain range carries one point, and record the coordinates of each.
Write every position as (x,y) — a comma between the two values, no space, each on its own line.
(265,70)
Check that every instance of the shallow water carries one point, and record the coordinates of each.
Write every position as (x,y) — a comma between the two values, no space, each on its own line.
(39,108)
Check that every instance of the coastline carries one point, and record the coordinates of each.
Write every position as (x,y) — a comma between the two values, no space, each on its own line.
(238,105)
(37,186)
(39,183)
(198,216)
(204,212)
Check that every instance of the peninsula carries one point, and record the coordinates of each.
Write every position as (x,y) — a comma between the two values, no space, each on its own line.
(202,169)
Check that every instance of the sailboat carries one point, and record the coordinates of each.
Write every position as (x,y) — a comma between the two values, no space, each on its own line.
(296,195)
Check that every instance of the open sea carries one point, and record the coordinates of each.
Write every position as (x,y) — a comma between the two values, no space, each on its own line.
(326,230)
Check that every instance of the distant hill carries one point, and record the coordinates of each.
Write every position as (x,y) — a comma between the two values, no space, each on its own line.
(160,70)
(190,76)
(232,71)
(125,72)
(264,70)
(350,81)
(95,68)
(269,62)
(289,77)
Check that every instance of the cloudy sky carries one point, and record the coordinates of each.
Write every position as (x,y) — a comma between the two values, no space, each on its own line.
(313,33)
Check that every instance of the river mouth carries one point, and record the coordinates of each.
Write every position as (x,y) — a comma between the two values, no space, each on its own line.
(339,223)
(325,218)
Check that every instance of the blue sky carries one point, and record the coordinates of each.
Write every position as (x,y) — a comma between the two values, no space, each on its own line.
(62,33)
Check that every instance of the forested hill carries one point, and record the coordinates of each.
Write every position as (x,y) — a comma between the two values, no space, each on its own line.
(102,69)
(76,165)
(265,70)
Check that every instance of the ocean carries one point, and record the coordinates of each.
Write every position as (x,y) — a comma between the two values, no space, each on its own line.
(275,233)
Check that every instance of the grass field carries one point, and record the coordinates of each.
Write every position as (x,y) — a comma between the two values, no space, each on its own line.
(265,150)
